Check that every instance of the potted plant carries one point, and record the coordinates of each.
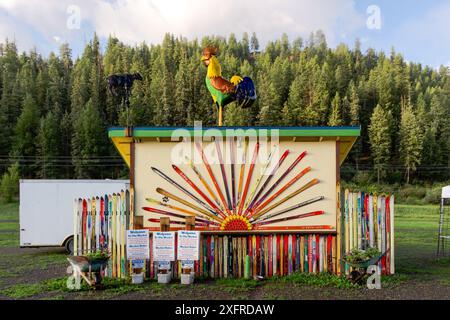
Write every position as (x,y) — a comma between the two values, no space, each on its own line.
(360,260)
(97,260)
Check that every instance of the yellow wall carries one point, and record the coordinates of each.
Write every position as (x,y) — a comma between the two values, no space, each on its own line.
(321,156)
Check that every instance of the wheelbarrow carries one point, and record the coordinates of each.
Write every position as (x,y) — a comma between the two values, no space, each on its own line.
(360,268)
(90,270)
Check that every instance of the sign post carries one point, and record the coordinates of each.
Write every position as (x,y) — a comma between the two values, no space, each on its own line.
(164,250)
(188,250)
(137,252)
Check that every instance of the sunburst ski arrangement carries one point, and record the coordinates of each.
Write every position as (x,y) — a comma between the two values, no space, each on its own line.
(247,200)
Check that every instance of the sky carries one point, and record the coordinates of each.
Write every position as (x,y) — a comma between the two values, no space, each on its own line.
(419,30)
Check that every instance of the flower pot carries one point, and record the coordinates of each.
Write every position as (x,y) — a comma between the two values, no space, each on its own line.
(164,278)
(137,278)
(187,278)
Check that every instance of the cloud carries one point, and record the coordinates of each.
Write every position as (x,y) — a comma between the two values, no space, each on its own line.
(134,21)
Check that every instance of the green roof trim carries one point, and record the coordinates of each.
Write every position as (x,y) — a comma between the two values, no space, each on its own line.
(167,132)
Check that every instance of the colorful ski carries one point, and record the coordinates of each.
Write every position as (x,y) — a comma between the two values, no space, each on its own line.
(310,184)
(280,179)
(205,184)
(211,175)
(204,196)
(186,203)
(294,207)
(184,190)
(249,178)
(241,174)
(279,192)
(269,178)
(224,174)
(300,216)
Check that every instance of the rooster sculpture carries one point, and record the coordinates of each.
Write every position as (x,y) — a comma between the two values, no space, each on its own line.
(223,92)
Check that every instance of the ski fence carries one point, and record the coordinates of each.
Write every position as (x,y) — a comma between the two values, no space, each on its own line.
(366,221)
(100,224)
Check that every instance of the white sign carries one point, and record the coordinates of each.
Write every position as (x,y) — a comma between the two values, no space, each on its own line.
(137,264)
(188,245)
(187,264)
(138,246)
(164,265)
(163,246)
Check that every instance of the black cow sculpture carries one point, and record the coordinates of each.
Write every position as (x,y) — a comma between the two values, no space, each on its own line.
(120,85)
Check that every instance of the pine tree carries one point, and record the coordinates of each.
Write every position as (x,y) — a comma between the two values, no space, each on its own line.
(11,95)
(88,143)
(254,43)
(245,44)
(380,139)
(335,116)
(162,91)
(235,116)
(354,105)
(25,132)
(270,111)
(411,141)
(49,140)
(293,106)
(182,93)
(65,56)
(441,127)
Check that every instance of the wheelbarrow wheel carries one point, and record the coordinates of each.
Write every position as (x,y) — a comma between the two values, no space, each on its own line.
(356,276)
(97,280)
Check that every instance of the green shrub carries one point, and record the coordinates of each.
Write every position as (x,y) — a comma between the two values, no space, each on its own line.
(433,195)
(362,178)
(412,192)
(404,194)
(9,184)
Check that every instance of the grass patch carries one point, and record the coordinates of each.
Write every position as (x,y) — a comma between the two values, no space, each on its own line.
(15,264)
(9,211)
(317,280)
(111,288)
(117,287)
(20,291)
(416,234)
(445,282)
(23,290)
(235,286)
(9,227)
(393,280)
(237,283)
(9,240)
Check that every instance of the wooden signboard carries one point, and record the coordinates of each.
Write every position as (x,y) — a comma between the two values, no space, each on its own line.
(256,180)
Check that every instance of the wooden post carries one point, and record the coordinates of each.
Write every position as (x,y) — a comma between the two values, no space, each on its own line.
(190,225)
(138,223)
(220,115)
(164,226)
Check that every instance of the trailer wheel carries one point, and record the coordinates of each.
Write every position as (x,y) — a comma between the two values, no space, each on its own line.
(69,246)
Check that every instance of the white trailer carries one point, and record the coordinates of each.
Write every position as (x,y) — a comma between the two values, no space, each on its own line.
(46,208)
